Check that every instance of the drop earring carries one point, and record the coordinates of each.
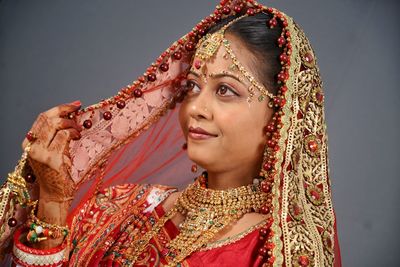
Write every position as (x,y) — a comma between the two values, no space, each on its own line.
(194,168)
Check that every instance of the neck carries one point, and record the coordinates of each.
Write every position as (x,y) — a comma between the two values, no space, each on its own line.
(229,179)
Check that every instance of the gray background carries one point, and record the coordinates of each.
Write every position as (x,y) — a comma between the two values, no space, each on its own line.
(53,52)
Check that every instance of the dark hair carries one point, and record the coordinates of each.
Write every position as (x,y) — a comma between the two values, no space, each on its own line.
(261,41)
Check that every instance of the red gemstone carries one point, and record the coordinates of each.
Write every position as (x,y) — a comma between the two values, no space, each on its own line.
(30,136)
(283,89)
(164,67)
(319,96)
(226,10)
(30,178)
(313,145)
(177,55)
(120,104)
(315,194)
(223,2)
(308,57)
(87,124)
(270,9)
(303,260)
(197,64)
(107,115)
(12,222)
(151,77)
(137,93)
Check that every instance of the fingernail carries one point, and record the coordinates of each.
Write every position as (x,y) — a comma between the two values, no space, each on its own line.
(76,103)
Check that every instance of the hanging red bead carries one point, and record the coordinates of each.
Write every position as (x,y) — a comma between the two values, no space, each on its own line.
(30,178)
(151,77)
(164,67)
(264,210)
(87,124)
(177,55)
(12,222)
(189,46)
(120,104)
(107,115)
(137,92)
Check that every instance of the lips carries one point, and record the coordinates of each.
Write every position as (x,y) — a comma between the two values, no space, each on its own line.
(199,133)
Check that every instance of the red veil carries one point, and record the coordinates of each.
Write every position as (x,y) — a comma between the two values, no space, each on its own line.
(135,137)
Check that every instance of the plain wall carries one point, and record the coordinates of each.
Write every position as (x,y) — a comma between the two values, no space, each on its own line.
(53,52)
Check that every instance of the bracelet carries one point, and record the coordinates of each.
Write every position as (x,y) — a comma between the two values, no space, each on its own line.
(40,230)
(31,257)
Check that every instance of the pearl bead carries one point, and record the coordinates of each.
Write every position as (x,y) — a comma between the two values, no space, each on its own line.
(107,115)
(30,178)
(137,93)
(87,124)
(12,222)
(164,67)
(151,77)
(177,55)
(120,104)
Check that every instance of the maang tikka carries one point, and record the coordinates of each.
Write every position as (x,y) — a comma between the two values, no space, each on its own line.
(208,47)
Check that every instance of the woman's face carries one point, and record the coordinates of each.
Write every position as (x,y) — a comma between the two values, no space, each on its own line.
(223,130)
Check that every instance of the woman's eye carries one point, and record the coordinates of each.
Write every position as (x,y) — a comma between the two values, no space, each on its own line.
(191,86)
(224,90)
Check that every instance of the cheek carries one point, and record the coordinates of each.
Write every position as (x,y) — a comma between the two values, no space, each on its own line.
(243,129)
(183,117)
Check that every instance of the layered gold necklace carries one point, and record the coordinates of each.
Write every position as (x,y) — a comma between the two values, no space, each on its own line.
(206,213)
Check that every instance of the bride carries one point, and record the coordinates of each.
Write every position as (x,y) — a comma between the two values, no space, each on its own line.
(215,156)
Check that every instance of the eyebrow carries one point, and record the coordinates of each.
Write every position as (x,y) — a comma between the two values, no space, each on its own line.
(220,75)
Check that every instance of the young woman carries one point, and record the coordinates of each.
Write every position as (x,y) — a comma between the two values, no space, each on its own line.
(245,88)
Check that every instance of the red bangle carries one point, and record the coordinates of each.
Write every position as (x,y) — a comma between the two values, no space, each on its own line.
(31,257)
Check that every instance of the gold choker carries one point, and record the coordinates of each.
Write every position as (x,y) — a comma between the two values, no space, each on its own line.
(206,212)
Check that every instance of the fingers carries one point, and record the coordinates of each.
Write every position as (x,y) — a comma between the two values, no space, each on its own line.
(64,109)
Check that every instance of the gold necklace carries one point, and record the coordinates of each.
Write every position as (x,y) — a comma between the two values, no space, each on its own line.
(207,213)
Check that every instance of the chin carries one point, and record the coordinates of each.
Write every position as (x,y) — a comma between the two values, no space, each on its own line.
(201,155)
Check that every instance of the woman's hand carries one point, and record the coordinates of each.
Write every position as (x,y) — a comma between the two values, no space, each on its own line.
(50,161)
(49,157)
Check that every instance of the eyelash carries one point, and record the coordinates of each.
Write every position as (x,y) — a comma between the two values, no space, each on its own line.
(190,84)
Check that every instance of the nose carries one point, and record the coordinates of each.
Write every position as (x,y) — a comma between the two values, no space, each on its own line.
(200,107)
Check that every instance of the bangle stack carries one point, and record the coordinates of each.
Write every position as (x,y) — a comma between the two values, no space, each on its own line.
(40,231)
